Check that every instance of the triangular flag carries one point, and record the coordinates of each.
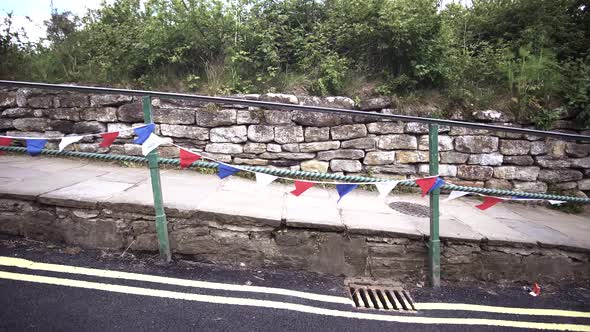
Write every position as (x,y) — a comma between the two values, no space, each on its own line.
(143,133)
(5,141)
(344,189)
(437,184)
(35,145)
(187,158)
(426,184)
(151,143)
(385,188)
(536,291)
(224,171)
(301,187)
(65,141)
(554,202)
(456,194)
(108,139)
(263,180)
(488,202)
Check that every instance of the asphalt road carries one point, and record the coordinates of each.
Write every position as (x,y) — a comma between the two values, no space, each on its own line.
(60,298)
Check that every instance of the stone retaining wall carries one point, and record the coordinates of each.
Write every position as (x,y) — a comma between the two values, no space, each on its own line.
(311,141)
(218,238)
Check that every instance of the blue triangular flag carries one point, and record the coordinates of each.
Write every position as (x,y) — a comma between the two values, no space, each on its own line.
(344,189)
(143,133)
(34,146)
(224,171)
(437,184)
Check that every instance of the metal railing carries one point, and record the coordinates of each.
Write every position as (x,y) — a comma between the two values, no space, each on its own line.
(153,160)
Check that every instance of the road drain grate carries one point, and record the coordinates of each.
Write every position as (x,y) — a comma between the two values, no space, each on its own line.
(381,298)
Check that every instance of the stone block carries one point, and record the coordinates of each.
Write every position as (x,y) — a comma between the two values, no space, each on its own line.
(490,116)
(234,134)
(343,165)
(379,158)
(212,117)
(130,113)
(40,102)
(569,186)
(519,160)
(109,100)
(488,159)
(499,184)
(531,187)
(577,150)
(411,157)
(31,124)
(556,148)
(6,124)
(18,113)
(376,103)
(462,131)
(336,102)
(365,143)
(250,116)
(224,148)
(581,162)
(443,170)
(552,163)
(132,149)
(72,114)
(253,162)
(386,127)
(468,172)
(515,147)
(122,128)
(279,98)
(445,143)
(174,116)
(319,146)
(402,169)
(291,147)
(89,127)
(287,155)
(584,184)
(476,144)
(277,117)
(452,157)
(538,148)
(64,126)
(317,134)
(273,148)
(193,132)
(254,148)
(341,154)
(290,134)
(7,99)
(72,100)
(261,133)
(397,142)
(314,166)
(314,119)
(517,173)
(416,128)
(345,132)
(105,114)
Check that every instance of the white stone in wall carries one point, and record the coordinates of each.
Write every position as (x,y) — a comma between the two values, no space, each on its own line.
(487,159)
(234,134)
(517,173)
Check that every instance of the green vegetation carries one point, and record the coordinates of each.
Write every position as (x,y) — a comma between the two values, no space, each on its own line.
(530,57)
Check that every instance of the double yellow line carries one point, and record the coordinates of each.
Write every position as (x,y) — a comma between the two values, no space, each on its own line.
(21,263)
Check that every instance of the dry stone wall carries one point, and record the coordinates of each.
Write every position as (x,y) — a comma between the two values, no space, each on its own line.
(311,141)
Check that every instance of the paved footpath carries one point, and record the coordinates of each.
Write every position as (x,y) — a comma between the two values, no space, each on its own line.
(81,180)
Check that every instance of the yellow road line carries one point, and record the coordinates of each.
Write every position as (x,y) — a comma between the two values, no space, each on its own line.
(501,310)
(285,306)
(28,264)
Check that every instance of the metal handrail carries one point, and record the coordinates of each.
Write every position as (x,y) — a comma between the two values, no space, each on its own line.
(267,104)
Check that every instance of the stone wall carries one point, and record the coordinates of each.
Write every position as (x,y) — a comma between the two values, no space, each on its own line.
(218,238)
(311,141)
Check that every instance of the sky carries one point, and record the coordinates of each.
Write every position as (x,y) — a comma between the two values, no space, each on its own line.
(39,11)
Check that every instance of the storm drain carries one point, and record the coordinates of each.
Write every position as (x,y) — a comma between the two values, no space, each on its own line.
(411,209)
(381,298)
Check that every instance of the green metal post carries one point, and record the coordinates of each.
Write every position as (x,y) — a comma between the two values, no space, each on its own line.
(161,223)
(434,245)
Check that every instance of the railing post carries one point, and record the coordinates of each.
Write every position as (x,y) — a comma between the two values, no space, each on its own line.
(434,244)
(161,223)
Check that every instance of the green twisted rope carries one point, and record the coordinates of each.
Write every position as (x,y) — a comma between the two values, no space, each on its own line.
(300,174)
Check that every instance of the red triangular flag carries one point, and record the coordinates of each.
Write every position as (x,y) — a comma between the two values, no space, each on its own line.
(536,290)
(301,187)
(5,141)
(488,202)
(108,139)
(187,158)
(426,184)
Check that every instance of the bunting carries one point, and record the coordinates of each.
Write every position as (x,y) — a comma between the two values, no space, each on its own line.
(385,188)
(5,141)
(35,145)
(426,184)
(65,141)
(143,133)
(301,187)
(344,189)
(224,171)
(456,194)
(108,139)
(488,202)
(187,158)
(152,142)
(263,180)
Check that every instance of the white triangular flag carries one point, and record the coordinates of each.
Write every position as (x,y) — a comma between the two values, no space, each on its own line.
(263,180)
(554,202)
(385,188)
(65,141)
(456,194)
(152,142)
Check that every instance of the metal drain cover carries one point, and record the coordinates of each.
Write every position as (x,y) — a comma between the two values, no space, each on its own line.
(381,298)
(411,209)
